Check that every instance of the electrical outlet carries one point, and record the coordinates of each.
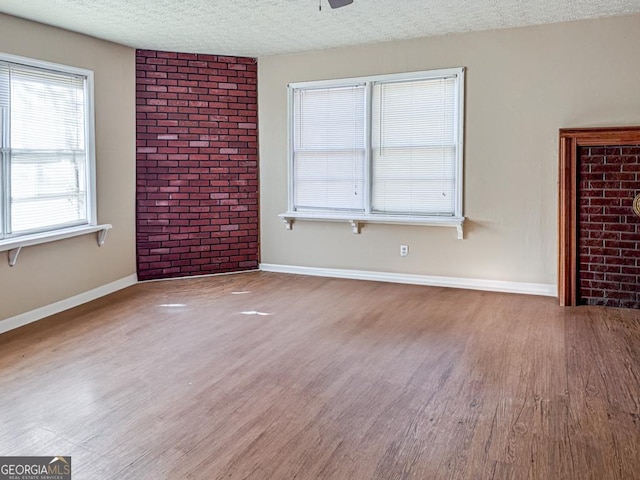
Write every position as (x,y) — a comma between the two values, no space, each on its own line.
(404,250)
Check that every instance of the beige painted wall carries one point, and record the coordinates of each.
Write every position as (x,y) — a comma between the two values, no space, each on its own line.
(48,273)
(522,85)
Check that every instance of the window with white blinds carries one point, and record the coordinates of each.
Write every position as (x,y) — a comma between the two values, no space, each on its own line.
(413,139)
(46,162)
(384,146)
(329,148)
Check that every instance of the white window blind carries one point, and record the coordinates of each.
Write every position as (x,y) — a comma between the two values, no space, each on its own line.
(414,147)
(45,160)
(329,149)
(386,148)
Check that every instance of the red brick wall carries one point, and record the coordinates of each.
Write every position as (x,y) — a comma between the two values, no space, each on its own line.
(197,164)
(609,231)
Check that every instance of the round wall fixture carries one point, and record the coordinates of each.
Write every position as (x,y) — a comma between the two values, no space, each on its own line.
(636,205)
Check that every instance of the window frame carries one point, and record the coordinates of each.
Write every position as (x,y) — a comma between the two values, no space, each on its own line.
(89,132)
(14,243)
(369,216)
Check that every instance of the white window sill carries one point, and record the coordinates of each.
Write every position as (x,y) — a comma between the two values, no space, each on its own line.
(14,245)
(357,221)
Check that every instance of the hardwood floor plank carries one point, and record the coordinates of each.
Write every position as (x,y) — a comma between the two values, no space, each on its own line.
(273,376)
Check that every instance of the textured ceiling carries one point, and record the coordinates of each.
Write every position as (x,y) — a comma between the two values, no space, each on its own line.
(263,27)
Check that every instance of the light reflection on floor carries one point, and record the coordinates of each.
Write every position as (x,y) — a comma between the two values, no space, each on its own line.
(253,312)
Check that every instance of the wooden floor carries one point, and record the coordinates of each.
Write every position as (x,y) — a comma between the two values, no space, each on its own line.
(325,379)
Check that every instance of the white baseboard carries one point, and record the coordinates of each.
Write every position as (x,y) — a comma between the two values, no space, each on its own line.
(428,280)
(66,304)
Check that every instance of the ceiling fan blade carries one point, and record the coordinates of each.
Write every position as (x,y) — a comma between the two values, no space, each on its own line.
(339,3)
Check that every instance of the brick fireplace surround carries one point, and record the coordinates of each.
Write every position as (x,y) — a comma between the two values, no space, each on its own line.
(609,230)
(599,233)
